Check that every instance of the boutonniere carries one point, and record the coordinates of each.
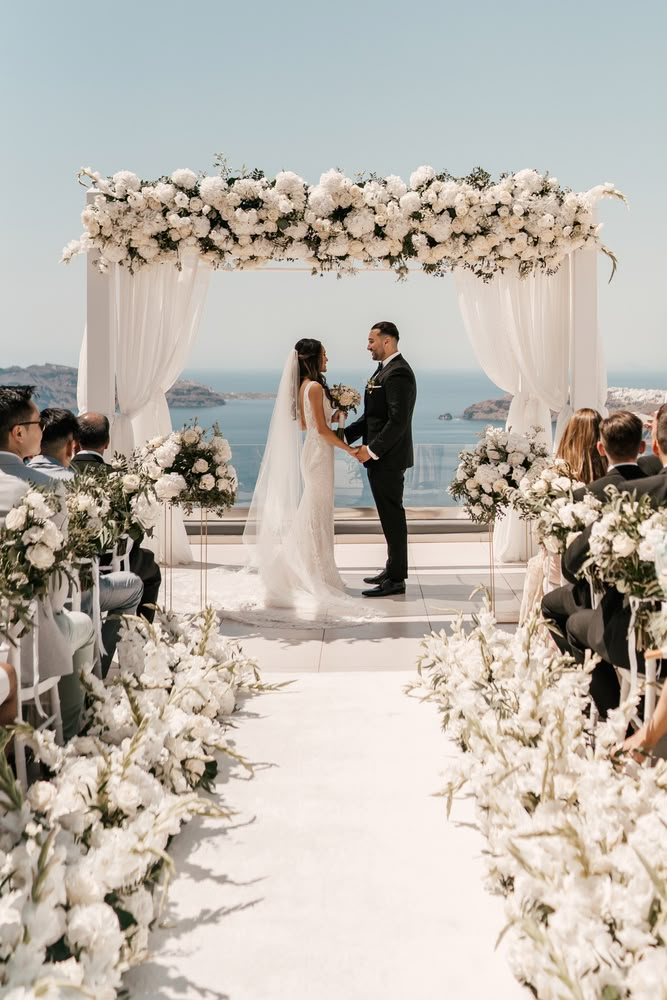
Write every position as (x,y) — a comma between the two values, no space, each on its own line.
(371,385)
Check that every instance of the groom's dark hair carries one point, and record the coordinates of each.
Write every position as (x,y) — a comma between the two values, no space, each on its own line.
(386,329)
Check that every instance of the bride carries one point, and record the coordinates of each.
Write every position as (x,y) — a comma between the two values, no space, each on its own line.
(289,532)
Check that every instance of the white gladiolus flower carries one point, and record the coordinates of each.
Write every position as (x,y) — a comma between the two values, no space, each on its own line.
(41,796)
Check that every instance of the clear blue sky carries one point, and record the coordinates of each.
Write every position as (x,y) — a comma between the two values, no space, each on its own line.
(576,88)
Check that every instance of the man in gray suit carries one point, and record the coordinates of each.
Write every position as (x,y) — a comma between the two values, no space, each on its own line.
(66,638)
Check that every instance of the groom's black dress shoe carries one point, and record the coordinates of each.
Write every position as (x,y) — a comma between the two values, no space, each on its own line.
(386,589)
(380,578)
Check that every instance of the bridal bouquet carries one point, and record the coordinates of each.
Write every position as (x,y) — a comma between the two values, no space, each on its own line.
(33,554)
(190,470)
(486,476)
(346,398)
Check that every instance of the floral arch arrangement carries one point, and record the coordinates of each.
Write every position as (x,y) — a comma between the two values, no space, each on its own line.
(520,223)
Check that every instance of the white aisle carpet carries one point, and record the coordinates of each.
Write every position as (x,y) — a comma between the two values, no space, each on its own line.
(341,877)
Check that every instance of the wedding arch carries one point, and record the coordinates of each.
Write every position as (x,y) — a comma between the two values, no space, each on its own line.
(523,251)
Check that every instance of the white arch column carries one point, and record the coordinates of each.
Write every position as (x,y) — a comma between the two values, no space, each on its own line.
(588,377)
(96,388)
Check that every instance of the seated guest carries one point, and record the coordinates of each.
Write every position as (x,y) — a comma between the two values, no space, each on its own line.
(93,436)
(9,702)
(605,628)
(120,592)
(647,736)
(59,442)
(66,639)
(579,449)
(578,446)
(619,445)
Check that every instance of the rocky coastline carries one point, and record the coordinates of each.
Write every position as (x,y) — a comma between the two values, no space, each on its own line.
(56,386)
(643,401)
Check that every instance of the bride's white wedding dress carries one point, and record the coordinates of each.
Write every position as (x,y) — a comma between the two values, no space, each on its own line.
(293,577)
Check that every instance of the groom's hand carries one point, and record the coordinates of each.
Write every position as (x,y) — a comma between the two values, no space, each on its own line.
(363,455)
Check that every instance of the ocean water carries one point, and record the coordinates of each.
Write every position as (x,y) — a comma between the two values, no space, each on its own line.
(245,424)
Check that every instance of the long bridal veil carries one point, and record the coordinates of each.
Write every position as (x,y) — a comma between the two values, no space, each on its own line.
(279,485)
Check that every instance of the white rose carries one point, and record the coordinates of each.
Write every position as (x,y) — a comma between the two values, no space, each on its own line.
(131,483)
(562,483)
(500,486)
(207,482)
(421,176)
(622,545)
(540,488)
(184,178)
(170,486)
(201,465)
(40,556)
(222,449)
(189,436)
(16,518)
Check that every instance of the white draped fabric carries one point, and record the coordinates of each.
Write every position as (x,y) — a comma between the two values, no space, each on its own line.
(520,332)
(155,316)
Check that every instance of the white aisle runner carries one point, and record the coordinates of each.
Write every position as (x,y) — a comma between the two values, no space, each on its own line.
(341,877)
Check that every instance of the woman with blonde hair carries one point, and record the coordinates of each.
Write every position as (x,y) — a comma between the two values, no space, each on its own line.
(578,449)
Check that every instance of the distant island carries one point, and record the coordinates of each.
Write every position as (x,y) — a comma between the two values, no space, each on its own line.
(56,386)
(637,400)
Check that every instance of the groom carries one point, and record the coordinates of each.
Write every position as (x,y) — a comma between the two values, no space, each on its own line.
(385,428)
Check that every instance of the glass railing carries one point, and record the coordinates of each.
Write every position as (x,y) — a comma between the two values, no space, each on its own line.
(425,483)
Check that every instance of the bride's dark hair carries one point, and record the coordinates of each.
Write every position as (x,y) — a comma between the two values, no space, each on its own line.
(309,353)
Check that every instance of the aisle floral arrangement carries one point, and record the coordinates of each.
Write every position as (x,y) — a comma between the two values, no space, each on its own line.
(523,221)
(487,476)
(83,856)
(33,555)
(191,470)
(575,838)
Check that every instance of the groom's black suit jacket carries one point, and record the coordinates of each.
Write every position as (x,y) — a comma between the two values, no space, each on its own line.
(385,425)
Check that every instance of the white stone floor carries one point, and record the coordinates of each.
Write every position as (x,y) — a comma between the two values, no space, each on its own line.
(340,875)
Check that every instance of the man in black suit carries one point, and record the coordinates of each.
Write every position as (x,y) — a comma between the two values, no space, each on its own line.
(621,443)
(385,427)
(605,628)
(93,442)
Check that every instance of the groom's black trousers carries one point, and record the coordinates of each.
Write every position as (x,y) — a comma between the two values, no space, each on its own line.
(387,489)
